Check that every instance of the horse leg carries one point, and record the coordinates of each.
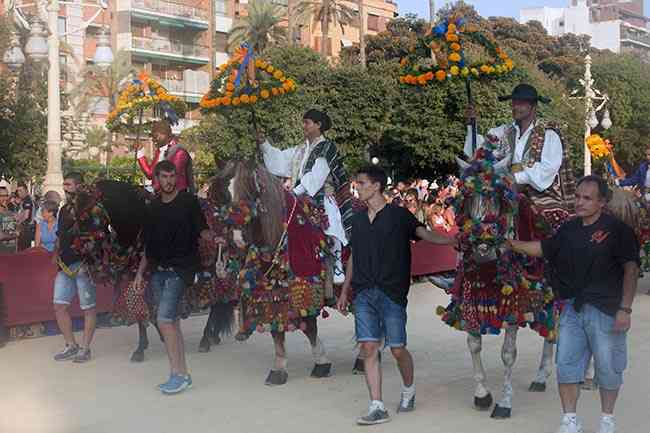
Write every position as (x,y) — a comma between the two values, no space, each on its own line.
(322,365)
(544,371)
(208,332)
(243,334)
(278,374)
(143,343)
(503,408)
(482,396)
(590,384)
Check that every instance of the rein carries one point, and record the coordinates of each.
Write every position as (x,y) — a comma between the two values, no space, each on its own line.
(278,247)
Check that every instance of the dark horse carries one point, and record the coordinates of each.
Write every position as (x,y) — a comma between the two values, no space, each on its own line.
(126,207)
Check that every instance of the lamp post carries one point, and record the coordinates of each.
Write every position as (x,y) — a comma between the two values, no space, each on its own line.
(595,101)
(38,50)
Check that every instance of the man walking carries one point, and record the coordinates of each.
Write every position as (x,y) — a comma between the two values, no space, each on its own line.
(72,279)
(595,258)
(171,233)
(379,271)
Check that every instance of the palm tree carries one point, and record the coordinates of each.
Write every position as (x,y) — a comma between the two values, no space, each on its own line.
(261,28)
(102,82)
(325,12)
(362,33)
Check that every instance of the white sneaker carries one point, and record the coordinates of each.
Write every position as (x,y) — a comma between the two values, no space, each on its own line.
(570,425)
(607,425)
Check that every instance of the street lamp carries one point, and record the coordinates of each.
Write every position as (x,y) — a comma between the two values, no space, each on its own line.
(595,101)
(38,49)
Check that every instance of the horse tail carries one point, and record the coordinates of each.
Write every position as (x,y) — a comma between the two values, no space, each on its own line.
(222,315)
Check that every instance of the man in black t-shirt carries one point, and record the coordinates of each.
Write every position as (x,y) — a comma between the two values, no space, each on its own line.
(379,271)
(24,217)
(595,263)
(171,233)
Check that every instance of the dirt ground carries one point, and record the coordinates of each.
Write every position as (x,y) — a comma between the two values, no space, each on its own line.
(112,395)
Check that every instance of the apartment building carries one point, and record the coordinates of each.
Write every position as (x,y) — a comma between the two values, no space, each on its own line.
(616,25)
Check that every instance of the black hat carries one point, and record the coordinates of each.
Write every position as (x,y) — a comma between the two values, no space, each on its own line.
(525,92)
(319,117)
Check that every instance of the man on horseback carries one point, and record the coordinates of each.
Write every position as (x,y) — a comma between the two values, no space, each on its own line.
(316,169)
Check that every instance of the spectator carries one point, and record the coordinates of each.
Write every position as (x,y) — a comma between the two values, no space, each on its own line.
(7,224)
(47,227)
(412,203)
(24,217)
(437,218)
(49,196)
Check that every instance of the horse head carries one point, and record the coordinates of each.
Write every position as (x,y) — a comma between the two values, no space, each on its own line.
(484,205)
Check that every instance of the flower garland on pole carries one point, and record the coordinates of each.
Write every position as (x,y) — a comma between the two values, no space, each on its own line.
(237,83)
(144,94)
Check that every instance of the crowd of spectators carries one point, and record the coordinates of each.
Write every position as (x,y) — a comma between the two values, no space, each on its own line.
(25,221)
(429,202)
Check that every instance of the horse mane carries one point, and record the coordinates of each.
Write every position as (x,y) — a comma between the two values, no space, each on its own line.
(623,206)
(254,183)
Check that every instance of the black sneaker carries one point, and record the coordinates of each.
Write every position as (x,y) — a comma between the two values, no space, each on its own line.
(82,356)
(406,405)
(68,352)
(377,416)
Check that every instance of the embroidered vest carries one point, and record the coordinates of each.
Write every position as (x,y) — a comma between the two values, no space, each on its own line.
(557,199)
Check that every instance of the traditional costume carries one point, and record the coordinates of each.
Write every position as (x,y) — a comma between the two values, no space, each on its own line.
(316,169)
(174,152)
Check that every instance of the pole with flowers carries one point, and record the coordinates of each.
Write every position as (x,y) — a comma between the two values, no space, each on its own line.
(440,57)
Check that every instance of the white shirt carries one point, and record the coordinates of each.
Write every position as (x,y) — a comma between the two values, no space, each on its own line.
(542,174)
(647,186)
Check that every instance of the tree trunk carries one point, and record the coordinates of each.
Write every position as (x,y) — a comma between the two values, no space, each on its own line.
(290,23)
(362,34)
(325,28)
(432,11)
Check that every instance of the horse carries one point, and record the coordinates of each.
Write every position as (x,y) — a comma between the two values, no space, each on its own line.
(496,289)
(126,207)
(283,287)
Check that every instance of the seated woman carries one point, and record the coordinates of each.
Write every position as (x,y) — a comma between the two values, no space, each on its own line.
(46,228)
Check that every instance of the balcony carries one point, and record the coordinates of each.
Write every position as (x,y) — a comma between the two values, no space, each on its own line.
(635,35)
(170,13)
(222,24)
(169,50)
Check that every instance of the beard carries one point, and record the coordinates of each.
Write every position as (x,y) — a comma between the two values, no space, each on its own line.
(70,196)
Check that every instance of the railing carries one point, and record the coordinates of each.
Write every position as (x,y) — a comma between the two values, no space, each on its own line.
(171,8)
(635,35)
(171,47)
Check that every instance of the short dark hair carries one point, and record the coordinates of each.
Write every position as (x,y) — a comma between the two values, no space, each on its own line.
(603,189)
(51,206)
(164,165)
(376,174)
(74,175)
(21,185)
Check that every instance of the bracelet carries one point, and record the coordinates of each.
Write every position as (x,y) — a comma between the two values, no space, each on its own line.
(626,310)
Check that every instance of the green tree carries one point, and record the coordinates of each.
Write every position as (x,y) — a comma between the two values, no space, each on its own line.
(262,27)
(325,12)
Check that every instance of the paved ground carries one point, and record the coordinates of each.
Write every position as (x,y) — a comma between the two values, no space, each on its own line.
(111,395)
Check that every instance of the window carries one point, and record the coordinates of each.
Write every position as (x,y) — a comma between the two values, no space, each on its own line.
(220,7)
(61,26)
(373,23)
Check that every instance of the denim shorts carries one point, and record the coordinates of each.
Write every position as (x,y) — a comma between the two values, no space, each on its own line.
(377,316)
(65,287)
(590,332)
(167,289)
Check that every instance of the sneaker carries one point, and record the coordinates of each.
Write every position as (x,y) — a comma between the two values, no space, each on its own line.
(162,385)
(83,355)
(570,425)
(68,352)
(176,384)
(607,425)
(406,404)
(377,416)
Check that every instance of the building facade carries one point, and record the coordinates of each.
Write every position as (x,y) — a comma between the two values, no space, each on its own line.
(616,25)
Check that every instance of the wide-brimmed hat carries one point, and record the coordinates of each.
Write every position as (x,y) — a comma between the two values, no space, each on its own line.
(525,92)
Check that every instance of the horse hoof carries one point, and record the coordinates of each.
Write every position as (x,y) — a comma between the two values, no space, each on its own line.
(276,377)
(321,371)
(537,387)
(501,412)
(242,336)
(589,385)
(138,356)
(483,403)
(359,367)
(204,345)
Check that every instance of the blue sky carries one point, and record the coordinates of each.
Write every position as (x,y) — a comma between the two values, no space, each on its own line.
(488,7)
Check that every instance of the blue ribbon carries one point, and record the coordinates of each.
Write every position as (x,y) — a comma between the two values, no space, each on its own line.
(244,63)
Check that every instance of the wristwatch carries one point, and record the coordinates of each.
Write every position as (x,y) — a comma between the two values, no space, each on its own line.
(625,309)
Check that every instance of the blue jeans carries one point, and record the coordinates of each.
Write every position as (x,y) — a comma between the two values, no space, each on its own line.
(167,288)
(65,287)
(376,316)
(586,333)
